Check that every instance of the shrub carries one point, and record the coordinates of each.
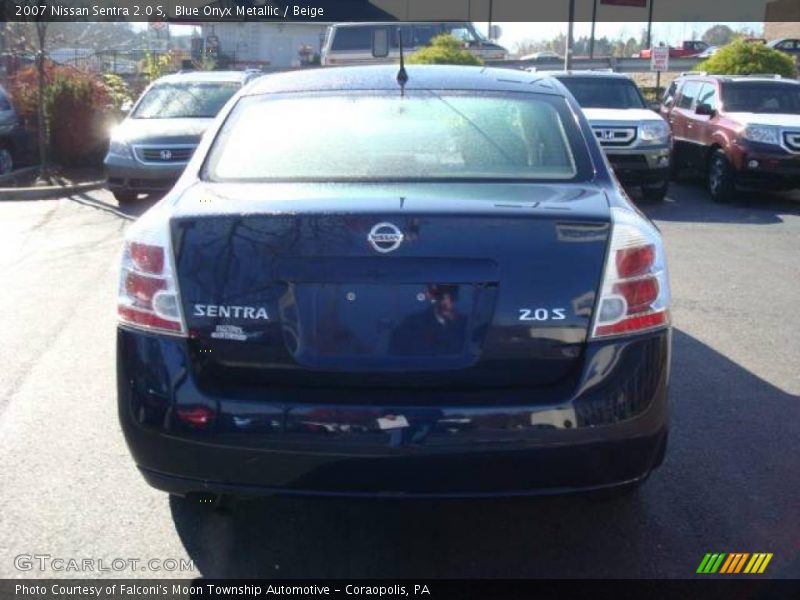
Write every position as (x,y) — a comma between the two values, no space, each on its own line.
(444,50)
(119,93)
(746,58)
(154,66)
(76,105)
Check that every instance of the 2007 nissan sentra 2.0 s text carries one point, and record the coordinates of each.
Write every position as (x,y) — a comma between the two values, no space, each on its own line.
(359,287)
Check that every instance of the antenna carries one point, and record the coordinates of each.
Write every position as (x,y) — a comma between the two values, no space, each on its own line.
(402,76)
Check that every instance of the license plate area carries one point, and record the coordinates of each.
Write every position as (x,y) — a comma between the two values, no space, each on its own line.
(391,325)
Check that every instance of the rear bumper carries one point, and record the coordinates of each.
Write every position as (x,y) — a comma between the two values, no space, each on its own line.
(610,429)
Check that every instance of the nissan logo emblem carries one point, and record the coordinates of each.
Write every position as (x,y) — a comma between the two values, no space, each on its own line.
(385,237)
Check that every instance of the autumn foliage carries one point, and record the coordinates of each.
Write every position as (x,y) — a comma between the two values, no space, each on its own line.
(76,111)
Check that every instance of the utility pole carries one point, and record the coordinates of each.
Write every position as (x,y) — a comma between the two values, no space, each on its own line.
(568,52)
(591,37)
(649,23)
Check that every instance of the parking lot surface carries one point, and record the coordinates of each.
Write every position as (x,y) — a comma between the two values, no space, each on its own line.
(729,484)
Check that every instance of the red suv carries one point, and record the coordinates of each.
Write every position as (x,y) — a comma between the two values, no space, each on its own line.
(739,130)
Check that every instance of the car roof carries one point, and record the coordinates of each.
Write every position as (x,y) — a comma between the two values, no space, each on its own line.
(423,77)
(394,23)
(206,77)
(597,74)
(728,78)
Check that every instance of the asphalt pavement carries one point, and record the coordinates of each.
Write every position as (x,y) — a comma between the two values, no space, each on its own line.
(730,483)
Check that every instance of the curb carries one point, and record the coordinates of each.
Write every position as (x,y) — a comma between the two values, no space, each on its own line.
(49,192)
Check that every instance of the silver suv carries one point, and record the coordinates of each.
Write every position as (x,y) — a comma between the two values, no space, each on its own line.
(636,140)
(150,148)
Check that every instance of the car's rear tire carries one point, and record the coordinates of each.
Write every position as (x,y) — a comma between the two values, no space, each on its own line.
(721,180)
(655,193)
(124,197)
(6,160)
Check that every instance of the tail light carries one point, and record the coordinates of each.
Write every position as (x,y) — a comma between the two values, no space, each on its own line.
(635,290)
(148,291)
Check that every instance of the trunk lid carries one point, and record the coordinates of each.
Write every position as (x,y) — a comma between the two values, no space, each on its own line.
(490,285)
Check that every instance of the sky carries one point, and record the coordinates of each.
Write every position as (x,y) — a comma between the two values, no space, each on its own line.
(668,32)
(516,33)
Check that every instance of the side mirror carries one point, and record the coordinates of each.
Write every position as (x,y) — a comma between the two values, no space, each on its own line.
(380,42)
(704,109)
(126,107)
(655,106)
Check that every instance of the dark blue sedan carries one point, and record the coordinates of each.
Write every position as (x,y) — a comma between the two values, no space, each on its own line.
(363,288)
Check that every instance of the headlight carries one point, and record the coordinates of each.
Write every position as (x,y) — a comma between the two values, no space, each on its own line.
(655,131)
(761,133)
(120,148)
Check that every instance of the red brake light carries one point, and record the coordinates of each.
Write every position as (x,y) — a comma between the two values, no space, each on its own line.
(147,258)
(199,416)
(142,288)
(635,289)
(635,261)
(633,324)
(148,293)
(638,293)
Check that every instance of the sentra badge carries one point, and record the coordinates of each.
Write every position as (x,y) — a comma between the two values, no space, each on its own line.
(231,312)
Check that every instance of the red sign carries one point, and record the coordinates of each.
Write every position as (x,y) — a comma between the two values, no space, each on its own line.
(635,3)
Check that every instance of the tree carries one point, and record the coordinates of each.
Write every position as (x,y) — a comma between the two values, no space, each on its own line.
(718,35)
(156,65)
(31,37)
(444,50)
(743,58)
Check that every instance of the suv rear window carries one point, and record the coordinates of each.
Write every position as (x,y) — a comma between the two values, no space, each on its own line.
(185,100)
(352,38)
(761,97)
(604,92)
(383,137)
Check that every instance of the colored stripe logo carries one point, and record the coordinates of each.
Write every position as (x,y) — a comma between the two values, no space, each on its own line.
(734,563)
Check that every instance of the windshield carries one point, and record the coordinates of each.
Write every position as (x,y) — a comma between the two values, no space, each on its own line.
(424,136)
(185,100)
(602,92)
(762,97)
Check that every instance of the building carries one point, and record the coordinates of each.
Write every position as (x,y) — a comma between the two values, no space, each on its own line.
(782,20)
(265,44)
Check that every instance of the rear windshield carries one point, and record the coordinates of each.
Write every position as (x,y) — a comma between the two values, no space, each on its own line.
(602,92)
(185,100)
(424,136)
(762,97)
(359,37)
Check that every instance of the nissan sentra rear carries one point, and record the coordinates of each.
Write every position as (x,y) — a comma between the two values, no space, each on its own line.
(369,288)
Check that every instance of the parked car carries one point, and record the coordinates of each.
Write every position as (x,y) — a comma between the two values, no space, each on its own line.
(319,300)
(635,139)
(738,130)
(708,52)
(150,148)
(351,43)
(787,45)
(544,57)
(687,49)
(14,141)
